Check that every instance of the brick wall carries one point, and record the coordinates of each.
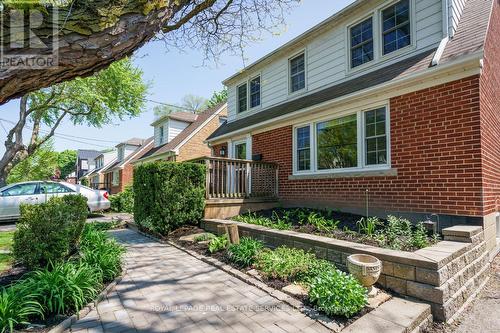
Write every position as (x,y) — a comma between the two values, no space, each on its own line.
(490,128)
(196,146)
(490,115)
(435,147)
(217,149)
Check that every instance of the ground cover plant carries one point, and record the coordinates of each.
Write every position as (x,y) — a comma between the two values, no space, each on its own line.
(331,291)
(65,286)
(394,233)
(6,258)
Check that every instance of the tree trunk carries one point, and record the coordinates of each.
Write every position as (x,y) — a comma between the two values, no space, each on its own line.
(89,39)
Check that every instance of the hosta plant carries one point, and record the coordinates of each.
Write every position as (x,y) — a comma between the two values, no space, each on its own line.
(243,254)
(337,294)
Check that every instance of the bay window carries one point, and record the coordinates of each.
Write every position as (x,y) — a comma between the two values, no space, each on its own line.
(354,142)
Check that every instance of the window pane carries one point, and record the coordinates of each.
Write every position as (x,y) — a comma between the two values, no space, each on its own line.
(303,148)
(297,73)
(22,189)
(255,92)
(375,137)
(242,98)
(396,26)
(241,151)
(337,143)
(362,43)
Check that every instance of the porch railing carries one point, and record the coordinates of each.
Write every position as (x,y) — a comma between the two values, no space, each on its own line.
(238,179)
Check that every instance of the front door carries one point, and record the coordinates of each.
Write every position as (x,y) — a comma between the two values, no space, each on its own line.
(240,150)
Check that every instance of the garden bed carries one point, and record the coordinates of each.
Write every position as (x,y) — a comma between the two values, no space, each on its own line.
(394,233)
(264,269)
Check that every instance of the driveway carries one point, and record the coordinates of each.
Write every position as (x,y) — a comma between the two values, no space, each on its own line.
(167,290)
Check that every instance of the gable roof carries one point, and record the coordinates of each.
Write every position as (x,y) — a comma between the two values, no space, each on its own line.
(187,117)
(87,154)
(469,39)
(145,147)
(132,142)
(178,141)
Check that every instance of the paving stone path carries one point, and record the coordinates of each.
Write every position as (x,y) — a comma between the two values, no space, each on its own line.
(167,290)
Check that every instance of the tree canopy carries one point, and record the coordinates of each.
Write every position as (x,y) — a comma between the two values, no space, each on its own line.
(86,36)
(117,92)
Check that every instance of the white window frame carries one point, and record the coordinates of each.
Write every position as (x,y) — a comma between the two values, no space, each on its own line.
(378,43)
(161,134)
(380,32)
(115,181)
(121,153)
(289,76)
(374,40)
(362,166)
(247,82)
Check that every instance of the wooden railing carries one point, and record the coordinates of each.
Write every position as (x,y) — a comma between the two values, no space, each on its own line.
(232,178)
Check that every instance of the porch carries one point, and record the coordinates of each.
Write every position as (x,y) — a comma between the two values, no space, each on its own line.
(236,186)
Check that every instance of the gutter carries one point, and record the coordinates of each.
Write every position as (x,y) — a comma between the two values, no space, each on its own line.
(418,76)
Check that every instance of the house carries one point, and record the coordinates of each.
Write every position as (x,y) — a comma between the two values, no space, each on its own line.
(180,136)
(120,173)
(386,107)
(96,176)
(85,161)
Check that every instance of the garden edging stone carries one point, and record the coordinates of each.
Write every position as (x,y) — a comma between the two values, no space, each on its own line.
(444,275)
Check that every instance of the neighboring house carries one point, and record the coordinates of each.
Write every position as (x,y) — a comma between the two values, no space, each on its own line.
(85,161)
(387,106)
(121,172)
(180,136)
(96,176)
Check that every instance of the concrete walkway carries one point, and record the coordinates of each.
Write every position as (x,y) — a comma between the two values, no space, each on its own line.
(167,290)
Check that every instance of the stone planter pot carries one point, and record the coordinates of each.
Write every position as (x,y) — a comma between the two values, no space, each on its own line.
(366,269)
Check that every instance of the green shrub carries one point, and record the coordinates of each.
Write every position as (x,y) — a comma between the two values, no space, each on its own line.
(316,267)
(419,237)
(123,201)
(101,253)
(168,195)
(218,243)
(63,287)
(49,232)
(284,263)
(244,253)
(368,225)
(337,293)
(16,308)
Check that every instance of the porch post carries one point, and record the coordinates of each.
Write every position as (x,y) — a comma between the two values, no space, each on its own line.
(207,178)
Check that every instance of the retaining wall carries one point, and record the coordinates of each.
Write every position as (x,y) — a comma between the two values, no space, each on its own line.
(445,275)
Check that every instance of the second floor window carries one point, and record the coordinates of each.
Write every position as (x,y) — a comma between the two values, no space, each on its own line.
(297,73)
(242,98)
(162,134)
(396,29)
(255,92)
(362,43)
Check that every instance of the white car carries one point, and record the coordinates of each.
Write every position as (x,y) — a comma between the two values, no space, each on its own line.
(36,192)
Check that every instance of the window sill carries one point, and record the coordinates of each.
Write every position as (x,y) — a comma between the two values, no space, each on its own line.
(346,174)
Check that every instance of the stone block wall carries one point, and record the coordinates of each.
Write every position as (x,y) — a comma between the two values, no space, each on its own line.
(444,275)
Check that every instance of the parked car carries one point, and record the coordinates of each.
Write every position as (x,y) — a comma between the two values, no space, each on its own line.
(36,192)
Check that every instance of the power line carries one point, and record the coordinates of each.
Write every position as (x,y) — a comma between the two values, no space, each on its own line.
(61,135)
(171,105)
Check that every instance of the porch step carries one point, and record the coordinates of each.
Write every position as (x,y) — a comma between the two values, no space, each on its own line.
(397,315)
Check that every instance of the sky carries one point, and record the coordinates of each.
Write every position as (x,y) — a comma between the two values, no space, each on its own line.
(172,74)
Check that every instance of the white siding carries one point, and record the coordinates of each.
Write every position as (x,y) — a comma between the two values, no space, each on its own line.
(455,13)
(327,55)
(175,127)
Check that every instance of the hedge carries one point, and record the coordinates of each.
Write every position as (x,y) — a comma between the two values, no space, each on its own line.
(123,201)
(168,195)
(50,231)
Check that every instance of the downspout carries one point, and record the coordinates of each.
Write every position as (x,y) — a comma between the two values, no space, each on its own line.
(446,33)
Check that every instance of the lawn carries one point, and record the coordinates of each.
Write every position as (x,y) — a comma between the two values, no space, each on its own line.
(5,244)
